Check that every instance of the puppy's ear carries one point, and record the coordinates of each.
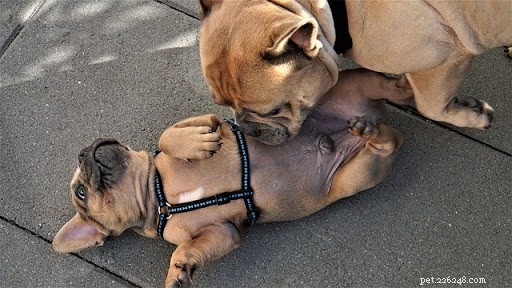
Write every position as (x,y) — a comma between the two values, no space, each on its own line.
(302,32)
(77,235)
(205,7)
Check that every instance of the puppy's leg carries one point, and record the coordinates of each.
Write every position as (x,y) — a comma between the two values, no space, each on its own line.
(435,95)
(213,242)
(192,138)
(371,165)
(376,86)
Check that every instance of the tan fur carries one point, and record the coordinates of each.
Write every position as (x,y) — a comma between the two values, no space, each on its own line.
(432,43)
(337,159)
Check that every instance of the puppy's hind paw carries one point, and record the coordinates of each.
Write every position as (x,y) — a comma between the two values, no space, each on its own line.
(361,126)
(182,276)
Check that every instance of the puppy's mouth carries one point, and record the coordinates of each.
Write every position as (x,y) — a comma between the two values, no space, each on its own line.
(103,162)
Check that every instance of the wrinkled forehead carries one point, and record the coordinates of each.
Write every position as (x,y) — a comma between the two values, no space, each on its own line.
(238,23)
(76,179)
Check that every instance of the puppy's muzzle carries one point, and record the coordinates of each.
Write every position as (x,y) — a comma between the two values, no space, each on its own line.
(103,162)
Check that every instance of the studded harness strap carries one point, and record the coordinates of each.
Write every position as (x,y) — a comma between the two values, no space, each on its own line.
(166,210)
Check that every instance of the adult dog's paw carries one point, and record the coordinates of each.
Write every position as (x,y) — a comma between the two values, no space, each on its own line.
(361,126)
(180,276)
(485,111)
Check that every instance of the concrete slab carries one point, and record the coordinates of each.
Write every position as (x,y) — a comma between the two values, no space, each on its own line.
(28,261)
(129,69)
(65,36)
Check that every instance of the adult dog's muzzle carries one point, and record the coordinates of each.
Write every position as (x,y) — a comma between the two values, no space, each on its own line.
(268,133)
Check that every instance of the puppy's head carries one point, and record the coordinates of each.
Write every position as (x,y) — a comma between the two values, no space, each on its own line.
(268,60)
(107,192)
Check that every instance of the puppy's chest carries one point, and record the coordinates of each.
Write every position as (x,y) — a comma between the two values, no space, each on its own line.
(184,181)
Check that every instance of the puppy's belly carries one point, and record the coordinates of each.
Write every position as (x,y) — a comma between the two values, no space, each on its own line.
(288,178)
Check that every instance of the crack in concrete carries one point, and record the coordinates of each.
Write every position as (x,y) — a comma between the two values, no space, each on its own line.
(413,112)
(19,27)
(105,269)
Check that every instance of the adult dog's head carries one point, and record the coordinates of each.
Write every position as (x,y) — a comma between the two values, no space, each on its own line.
(270,60)
(109,192)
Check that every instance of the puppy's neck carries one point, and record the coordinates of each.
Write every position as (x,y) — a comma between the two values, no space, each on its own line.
(149,203)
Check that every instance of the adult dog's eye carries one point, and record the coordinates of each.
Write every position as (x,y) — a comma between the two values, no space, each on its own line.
(80,192)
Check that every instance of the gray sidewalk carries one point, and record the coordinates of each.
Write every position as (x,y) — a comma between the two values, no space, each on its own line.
(77,70)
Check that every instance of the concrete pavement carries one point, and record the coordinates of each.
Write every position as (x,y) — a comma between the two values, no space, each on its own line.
(76,70)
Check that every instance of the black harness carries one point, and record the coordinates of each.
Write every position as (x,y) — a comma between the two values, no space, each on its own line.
(339,15)
(166,210)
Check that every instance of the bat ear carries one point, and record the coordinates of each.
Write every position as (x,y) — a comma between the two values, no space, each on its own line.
(77,235)
(205,7)
(294,29)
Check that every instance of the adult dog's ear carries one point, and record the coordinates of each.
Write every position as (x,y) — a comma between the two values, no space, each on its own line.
(295,29)
(77,235)
(205,7)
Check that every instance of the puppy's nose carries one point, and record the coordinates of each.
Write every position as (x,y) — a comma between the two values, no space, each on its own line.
(89,150)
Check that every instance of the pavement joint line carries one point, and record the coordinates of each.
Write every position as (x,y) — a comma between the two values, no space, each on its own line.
(14,34)
(412,111)
(19,27)
(178,8)
(13,223)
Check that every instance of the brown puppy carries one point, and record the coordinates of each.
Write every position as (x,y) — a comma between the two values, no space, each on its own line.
(272,60)
(113,187)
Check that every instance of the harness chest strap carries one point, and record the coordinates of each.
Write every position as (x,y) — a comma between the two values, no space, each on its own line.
(166,210)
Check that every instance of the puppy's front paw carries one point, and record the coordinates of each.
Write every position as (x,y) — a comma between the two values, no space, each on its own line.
(200,143)
(180,275)
(190,143)
(361,126)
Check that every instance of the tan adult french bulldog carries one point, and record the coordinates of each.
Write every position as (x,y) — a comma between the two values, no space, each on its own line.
(112,189)
(272,60)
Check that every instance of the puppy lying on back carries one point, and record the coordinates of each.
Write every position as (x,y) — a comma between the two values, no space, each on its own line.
(344,147)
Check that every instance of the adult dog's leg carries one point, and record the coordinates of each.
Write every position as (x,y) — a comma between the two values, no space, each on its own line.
(435,95)
(371,165)
(213,242)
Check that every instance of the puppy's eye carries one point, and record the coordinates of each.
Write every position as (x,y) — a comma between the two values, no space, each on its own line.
(80,192)
(273,112)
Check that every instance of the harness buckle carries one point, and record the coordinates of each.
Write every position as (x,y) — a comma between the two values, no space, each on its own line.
(165,210)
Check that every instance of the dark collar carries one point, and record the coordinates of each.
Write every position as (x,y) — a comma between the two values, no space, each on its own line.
(166,210)
(339,15)
(163,210)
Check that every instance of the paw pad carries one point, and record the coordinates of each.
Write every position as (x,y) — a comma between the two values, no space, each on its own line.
(360,126)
